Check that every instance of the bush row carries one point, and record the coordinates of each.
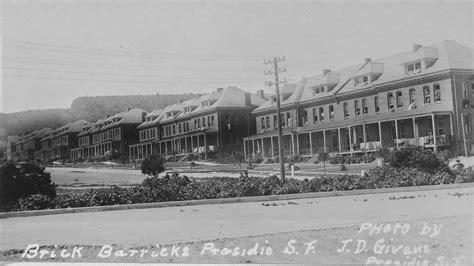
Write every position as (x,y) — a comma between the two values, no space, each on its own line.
(178,188)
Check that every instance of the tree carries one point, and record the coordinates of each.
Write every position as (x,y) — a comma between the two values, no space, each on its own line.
(153,165)
(24,180)
(323,157)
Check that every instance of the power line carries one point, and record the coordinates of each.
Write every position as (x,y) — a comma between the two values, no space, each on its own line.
(42,61)
(118,53)
(119,75)
(46,45)
(126,81)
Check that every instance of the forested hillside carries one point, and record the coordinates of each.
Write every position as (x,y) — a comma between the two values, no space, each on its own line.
(88,108)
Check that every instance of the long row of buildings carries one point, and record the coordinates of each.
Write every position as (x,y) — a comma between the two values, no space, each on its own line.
(422,97)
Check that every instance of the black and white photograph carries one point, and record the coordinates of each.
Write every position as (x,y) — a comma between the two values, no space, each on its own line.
(210,132)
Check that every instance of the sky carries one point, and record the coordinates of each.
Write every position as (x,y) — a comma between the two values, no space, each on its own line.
(55,51)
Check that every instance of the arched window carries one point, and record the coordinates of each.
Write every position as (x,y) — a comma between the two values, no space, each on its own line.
(267,122)
(356,107)
(275,122)
(390,100)
(399,99)
(376,104)
(345,110)
(315,115)
(437,92)
(411,95)
(365,109)
(321,114)
(426,94)
(331,112)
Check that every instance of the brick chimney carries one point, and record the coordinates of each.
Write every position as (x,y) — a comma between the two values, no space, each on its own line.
(261,94)
(219,89)
(367,60)
(326,71)
(415,47)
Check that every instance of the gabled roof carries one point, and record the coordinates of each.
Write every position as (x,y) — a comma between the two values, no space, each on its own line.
(132,116)
(289,94)
(151,118)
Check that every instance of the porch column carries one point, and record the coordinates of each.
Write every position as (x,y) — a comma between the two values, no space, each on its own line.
(273,152)
(297,144)
(192,144)
(415,131)
(253,146)
(380,134)
(166,148)
(198,142)
(324,141)
(293,143)
(263,150)
(350,138)
(365,136)
(310,144)
(245,149)
(205,147)
(396,132)
(339,138)
(434,132)
(186,144)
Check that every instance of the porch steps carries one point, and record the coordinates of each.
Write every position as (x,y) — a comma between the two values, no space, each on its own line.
(312,160)
(185,158)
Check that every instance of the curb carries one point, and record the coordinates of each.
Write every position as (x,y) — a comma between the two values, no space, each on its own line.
(231,200)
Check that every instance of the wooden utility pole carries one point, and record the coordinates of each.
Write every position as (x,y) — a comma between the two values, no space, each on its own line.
(277,83)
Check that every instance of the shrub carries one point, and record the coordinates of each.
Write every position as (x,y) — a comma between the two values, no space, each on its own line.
(34,202)
(416,157)
(24,180)
(153,165)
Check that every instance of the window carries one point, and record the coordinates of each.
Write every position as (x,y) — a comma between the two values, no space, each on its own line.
(376,104)
(414,67)
(411,96)
(315,115)
(356,107)
(174,129)
(399,99)
(346,112)
(365,79)
(321,114)
(204,122)
(262,123)
(437,93)
(331,112)
(390,100)
(467,124)
(275,121)
(283,121)
(199,123)
(365,109)
(267,122)
(464,91)
(209,121)
(426,94)
(179,128)
(288,118)
(305,117)
(322,89)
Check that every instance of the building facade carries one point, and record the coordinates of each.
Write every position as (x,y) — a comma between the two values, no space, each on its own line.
(109,138)
(421,97)
(210,126)
(56,145)
(28,146)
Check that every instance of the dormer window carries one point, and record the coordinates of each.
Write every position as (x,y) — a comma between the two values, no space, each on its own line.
(414,67)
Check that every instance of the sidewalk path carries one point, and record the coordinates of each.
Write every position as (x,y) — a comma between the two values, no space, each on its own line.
(151,226)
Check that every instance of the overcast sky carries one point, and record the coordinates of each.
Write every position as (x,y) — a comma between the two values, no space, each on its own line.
(55,51)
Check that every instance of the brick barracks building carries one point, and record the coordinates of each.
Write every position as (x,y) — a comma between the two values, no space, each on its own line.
(422,97)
